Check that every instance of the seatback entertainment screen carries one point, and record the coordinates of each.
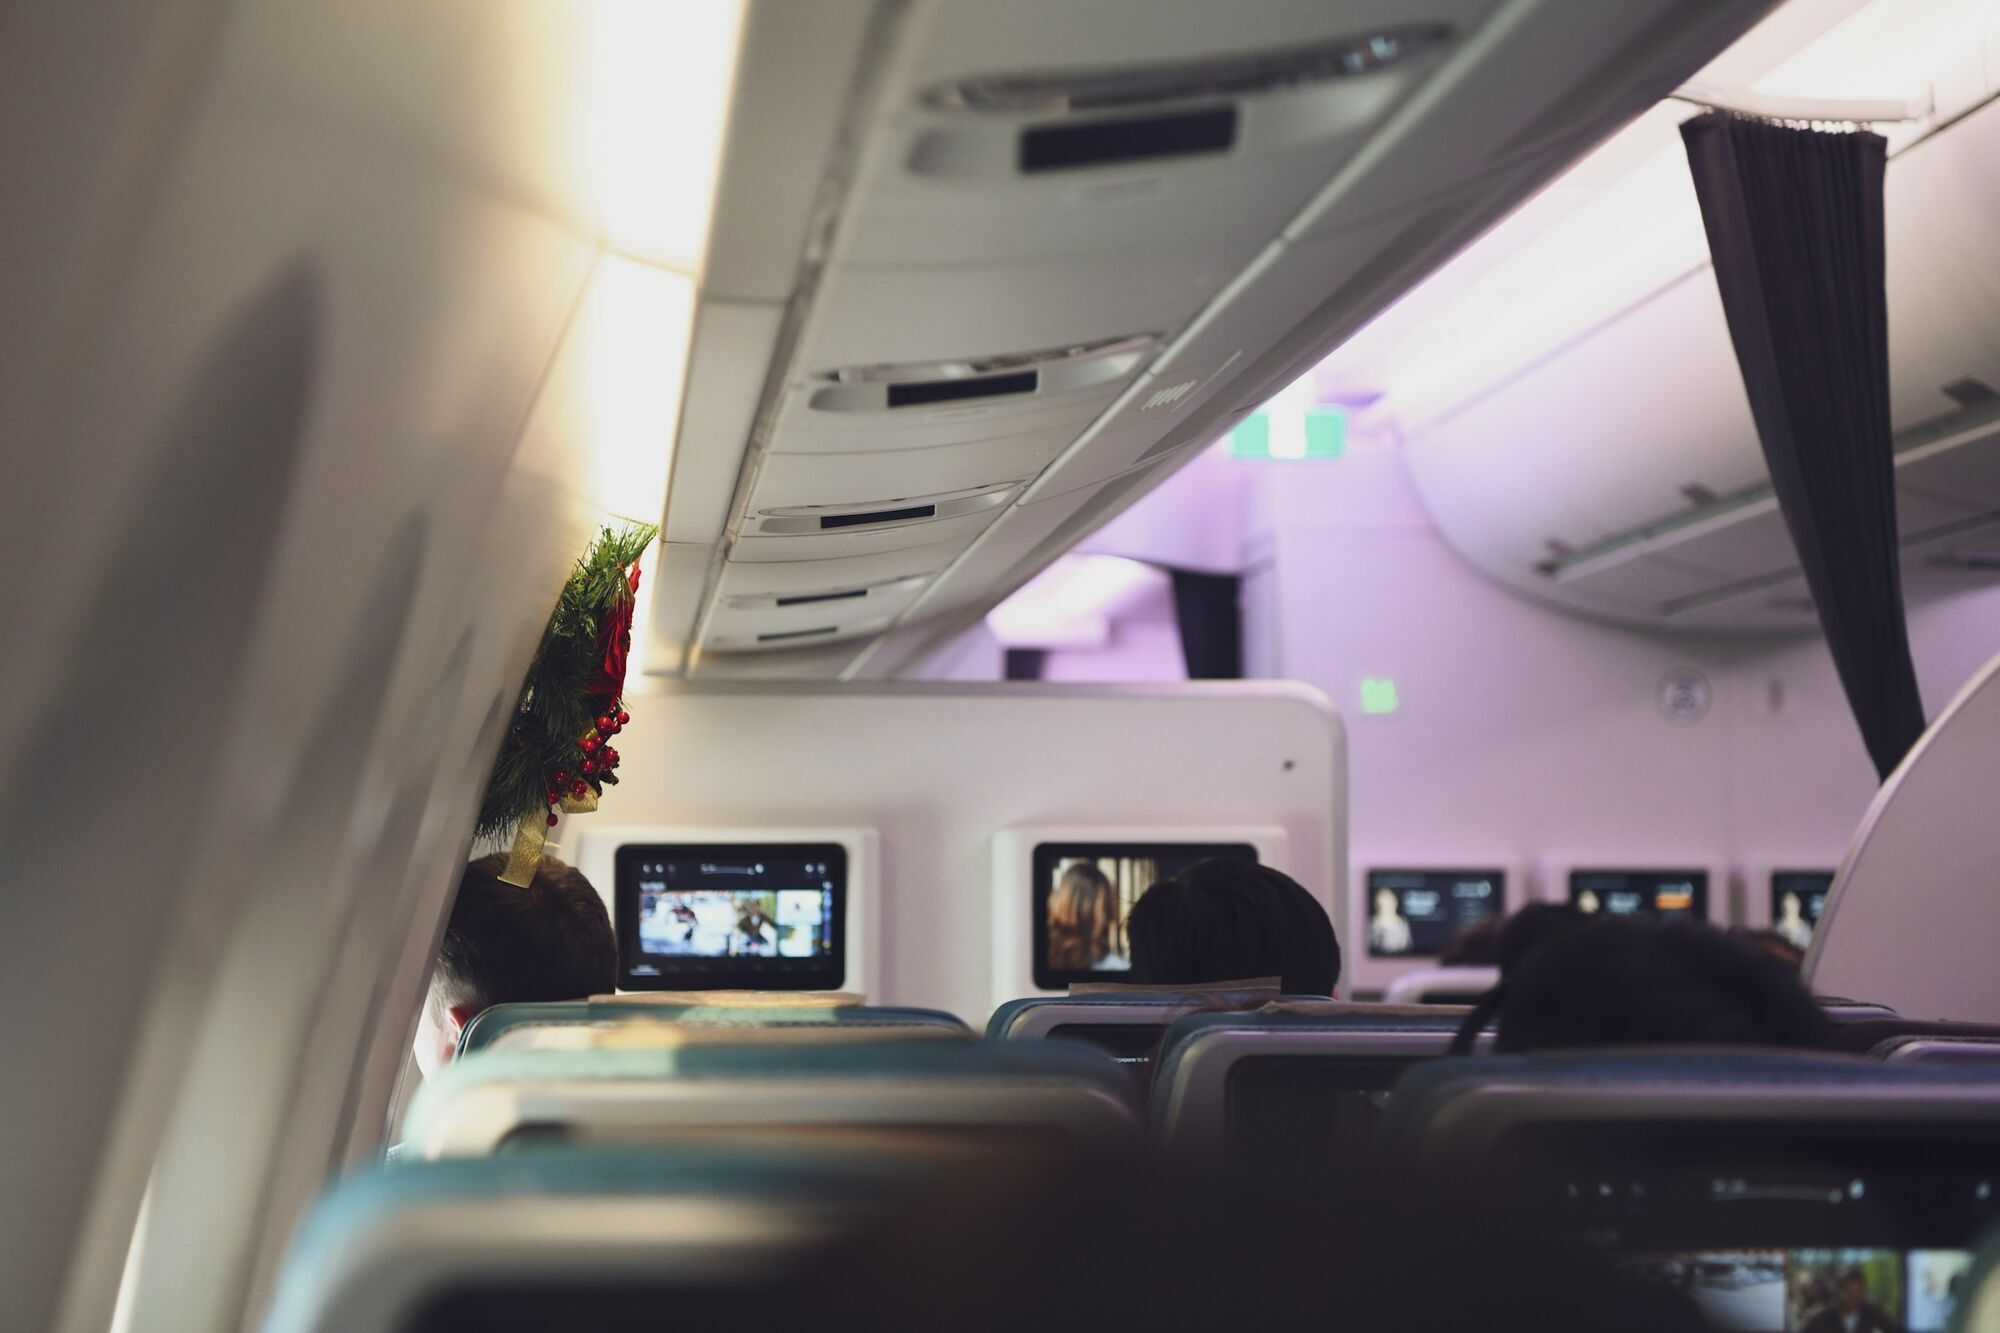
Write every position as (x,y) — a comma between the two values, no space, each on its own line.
(1083,893)
(1798,898)
(1416,913)
(753,916)
(1666,895)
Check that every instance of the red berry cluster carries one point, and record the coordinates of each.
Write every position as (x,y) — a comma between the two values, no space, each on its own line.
(598,761)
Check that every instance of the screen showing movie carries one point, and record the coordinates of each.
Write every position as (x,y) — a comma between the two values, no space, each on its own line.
(1417,913)
(1830,1290)
(1665,895)
(1798,897)
(763,916)
(1084,892)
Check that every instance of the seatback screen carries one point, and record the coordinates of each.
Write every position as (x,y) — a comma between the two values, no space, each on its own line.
(762,916)
(1798,898)
(1083,893)
(1667,895)
(1416,913)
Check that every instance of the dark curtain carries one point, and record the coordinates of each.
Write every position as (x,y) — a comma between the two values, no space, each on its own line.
(1794,220)
(1209,609)
(1025,663)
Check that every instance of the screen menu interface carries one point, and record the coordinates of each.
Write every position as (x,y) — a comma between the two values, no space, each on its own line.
(1416,913)
(1668,895)
(1798,897)
(716,916)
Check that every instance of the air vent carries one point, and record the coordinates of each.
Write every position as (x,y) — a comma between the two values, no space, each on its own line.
(918,393)
(1143,139)
(1125,87)
(868,516)
(807,599)
(1040,373)
(785,635)
(796,520)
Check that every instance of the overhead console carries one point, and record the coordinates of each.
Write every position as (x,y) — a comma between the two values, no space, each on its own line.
(1054,252)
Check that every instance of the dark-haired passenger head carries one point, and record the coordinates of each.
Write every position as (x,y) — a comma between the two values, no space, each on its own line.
(509,945)
(1478,945)
(1632,982)
(1225,920)
(1771,942)
(1530,928)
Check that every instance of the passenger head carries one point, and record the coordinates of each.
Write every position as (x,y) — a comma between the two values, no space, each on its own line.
(1634,983)
(1524,932)
(1853,1291)
(505,944)
(1224,920)
(1478,945)
(1082,912)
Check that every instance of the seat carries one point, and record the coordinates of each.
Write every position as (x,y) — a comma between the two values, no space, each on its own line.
(1696,1150)
(562,1239)
(1298,1081)
(905,1095)
(1442,985)
(1862,1035)
(521,1026)
(1959,1052)
(1128,1026)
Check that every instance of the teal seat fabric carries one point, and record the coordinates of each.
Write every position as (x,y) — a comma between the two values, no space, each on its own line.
(1017,1018)
(380,1240)
(862,1081)
(488,1025)
(1275,1082)
(1452,1111)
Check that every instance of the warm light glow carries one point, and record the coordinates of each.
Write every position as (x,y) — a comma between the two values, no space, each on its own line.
(659,74)
(635,326)
(1624,223)
(1072,603)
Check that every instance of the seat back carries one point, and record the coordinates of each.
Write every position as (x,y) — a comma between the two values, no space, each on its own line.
(1960,1052)
(1442,985)
(1862,1035)
(1126,1026)
(1303,1082)
(562,1239)
(903,1094)
(1698,1150)
(529,1026)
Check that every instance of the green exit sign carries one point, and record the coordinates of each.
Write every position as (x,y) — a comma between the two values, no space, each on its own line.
(1321,435)
(1378,695)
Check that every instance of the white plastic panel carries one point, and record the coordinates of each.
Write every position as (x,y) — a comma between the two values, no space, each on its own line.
(758,578)
(1943,256)
(802,430)
(733,344)
(828,479)
(1910,922)
(1273,296)
(947,185)
(1963,478)
(765,628)
(839,545)
(678,575)
(1536,76)
(917,312)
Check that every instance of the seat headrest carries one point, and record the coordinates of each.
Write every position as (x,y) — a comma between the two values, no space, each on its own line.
(491,1024)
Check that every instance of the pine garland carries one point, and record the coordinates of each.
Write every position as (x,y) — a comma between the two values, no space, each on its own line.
(571,702)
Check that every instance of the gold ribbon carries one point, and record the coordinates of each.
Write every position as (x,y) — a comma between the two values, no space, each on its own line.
(531,839)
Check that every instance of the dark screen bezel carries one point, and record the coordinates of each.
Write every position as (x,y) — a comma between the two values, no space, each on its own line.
(806,974)
(1699,875)
(1042,868)
(1499,878)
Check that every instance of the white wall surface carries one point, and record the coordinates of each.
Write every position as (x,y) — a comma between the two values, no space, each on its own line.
(936,769)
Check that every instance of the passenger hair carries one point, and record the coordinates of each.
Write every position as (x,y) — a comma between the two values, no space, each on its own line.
(505,944)
(1233,920)
(1524,932)
(1630,982)
(1083,908)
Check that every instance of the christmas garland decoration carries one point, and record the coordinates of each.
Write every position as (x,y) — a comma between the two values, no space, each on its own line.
(557,755)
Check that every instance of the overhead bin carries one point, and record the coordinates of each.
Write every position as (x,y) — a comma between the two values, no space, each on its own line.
(1622,475)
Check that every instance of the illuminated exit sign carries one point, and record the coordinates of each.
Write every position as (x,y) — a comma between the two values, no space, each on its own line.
(1318,432)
